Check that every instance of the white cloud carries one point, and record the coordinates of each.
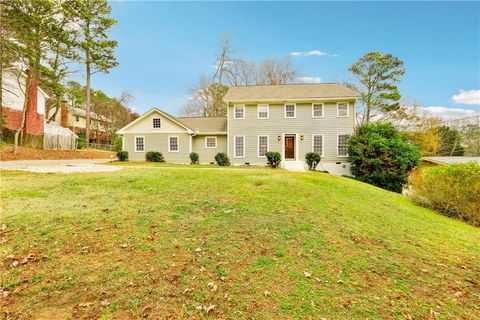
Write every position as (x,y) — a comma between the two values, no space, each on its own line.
(467,97)
(308,79)
(446,113)
(317,53)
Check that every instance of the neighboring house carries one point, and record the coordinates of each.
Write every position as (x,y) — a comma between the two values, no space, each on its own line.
(290,119)
(13,90)
(75,119)
(445,160)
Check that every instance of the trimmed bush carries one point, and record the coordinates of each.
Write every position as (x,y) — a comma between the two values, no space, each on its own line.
(194,158)
(122,155)
(380,157)
(154,156)
(453,190)
(81,143)
(312,159)
(273,158)
(222,159)
(117,143)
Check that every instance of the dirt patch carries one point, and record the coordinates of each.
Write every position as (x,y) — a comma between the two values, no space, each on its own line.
(27,153)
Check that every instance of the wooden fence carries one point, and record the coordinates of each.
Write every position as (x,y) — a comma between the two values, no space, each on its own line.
(58,142)
(58,138)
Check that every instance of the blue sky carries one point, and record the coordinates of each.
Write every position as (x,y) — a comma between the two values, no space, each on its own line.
(164,46)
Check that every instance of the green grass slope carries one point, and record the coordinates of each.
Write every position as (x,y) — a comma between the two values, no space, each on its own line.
(206,243)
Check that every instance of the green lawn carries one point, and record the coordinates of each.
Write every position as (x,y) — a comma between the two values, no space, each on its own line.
(259,244)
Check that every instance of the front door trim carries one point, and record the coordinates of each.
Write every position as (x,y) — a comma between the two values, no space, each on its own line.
(296,146)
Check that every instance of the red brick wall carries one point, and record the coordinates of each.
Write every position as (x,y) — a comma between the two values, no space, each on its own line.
(13,118)
(34,122)
(64,114)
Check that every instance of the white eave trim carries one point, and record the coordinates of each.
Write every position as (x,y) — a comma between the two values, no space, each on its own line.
(212,133)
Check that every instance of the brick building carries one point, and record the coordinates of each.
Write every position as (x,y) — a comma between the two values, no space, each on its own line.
(14,85)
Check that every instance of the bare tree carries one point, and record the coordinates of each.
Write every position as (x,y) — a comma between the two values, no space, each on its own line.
(277,72)
(207,95)
(241,72)
(223,58)
(206,99)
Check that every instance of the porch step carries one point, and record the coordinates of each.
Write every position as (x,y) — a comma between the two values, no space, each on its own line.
(294,165)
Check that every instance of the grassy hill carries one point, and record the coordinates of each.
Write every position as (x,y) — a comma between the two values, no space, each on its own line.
(208,243)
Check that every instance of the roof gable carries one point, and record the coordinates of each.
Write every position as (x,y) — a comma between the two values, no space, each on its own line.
(143,123)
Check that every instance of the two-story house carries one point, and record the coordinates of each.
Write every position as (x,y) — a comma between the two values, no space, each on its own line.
(75,119)
(291,119)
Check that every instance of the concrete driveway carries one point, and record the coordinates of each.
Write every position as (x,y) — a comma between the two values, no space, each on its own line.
(62,166)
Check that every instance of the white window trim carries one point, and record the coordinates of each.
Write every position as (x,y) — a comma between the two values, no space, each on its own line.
(178,144)
(135,143)
(238,106)
(285,110)
(258,145)
(235,147)
(323,143)
(160,123)
(338,135)
(206,146)
(258,111)
(348,112)
(323,110)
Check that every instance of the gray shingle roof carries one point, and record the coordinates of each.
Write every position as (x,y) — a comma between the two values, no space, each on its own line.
(450,160)
(290,92)
(202,125)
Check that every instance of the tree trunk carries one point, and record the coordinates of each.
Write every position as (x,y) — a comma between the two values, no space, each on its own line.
(87,110)
(1,76)
(1,92)
(24,113)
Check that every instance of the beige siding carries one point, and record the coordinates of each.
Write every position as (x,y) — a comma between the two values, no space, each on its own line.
(158,142)
(276,125)
(207,155)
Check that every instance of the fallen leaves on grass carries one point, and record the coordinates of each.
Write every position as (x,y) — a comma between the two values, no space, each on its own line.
(206,309)
(85,304)
(212,286)
(27,153)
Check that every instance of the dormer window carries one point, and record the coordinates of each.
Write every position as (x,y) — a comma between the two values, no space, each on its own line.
(290,110)
(156,123)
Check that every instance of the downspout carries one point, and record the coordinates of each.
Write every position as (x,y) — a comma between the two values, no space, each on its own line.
(228,126)
(191,141)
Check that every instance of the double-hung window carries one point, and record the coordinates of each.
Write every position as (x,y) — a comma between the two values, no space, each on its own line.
(210,142)
(139,144)
(239,112)
(317,110)
(317,144)
(342,145)
(173,144)
(290,110)
(156,123)
(239,146)
(262,146)
(262,111)
(342,109)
